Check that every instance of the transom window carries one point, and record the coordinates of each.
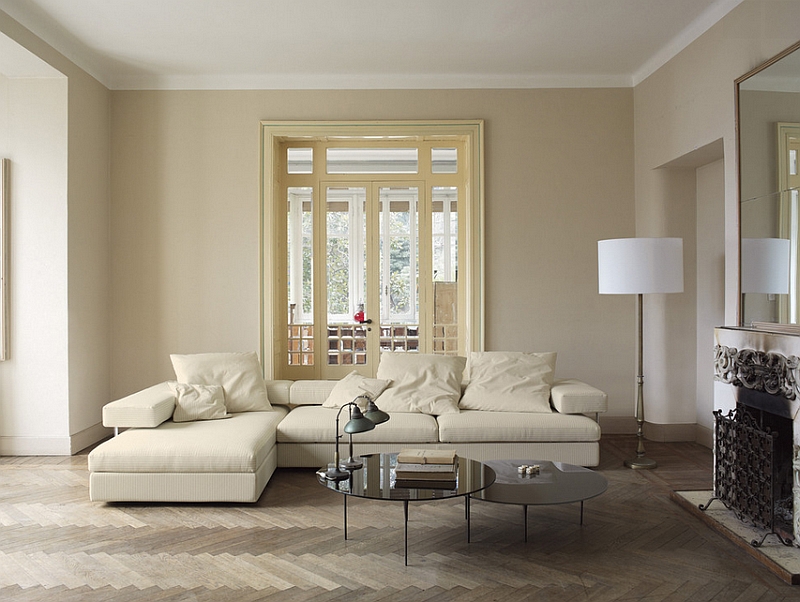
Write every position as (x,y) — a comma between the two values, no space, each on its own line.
(362,238)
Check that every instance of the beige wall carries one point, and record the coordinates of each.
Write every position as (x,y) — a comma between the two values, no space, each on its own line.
(185,216)
(34,380)
(53,388)
(686,105)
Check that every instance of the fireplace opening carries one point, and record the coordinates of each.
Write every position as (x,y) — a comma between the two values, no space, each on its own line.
(781,427)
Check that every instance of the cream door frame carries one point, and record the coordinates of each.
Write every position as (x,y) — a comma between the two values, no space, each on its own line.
(274,133)
(5,167)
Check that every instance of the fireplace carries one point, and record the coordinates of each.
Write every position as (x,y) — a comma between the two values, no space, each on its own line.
(757,429)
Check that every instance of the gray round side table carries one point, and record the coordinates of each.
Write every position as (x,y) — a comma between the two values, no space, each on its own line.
(556,483)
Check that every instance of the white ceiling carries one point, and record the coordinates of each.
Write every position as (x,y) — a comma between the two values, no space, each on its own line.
(274,44)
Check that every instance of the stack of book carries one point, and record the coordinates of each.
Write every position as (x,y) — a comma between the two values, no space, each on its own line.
(426,469)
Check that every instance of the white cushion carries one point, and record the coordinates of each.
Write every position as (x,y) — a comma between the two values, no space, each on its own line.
(315,424)
(509,381)
(353,385)
(238,373)
(310,392)
(278,391)
(426,383)
(472,426)
(572,396)
(198,402)
(144,409)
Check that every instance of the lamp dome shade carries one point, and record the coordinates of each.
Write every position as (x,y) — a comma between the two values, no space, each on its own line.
(765,265)
(358,423)
(640,265)
(375,414)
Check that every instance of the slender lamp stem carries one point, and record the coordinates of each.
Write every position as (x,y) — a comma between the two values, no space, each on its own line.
(640,461)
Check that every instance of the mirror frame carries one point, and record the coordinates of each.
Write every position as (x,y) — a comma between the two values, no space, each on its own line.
(766,64)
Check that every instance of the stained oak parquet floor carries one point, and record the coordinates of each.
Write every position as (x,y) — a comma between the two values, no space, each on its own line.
(635,545)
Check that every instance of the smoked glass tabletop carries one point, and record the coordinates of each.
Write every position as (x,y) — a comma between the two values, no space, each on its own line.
(376,480)
(556,483)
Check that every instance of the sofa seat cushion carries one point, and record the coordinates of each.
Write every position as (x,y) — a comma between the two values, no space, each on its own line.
(475,426)
(237,444)
(315,424)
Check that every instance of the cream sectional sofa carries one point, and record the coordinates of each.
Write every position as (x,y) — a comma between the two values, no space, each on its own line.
(156,459)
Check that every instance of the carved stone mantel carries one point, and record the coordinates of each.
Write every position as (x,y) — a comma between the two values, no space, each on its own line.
(764,371)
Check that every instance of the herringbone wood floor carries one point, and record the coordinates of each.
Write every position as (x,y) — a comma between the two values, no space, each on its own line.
(635,545)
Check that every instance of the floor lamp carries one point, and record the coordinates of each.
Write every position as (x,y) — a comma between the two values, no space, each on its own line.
(639,266)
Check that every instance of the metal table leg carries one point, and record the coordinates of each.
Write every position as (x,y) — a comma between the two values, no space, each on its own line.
(344,497)
(525,521)
(466,504)
(405,529)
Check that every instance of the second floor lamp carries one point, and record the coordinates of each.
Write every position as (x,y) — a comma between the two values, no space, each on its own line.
(639,266)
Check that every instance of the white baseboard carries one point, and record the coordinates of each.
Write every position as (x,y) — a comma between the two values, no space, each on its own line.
(53,446)
(618,425)
(88,437)
(704,436)
(669,432)
(35,446)
(626,425)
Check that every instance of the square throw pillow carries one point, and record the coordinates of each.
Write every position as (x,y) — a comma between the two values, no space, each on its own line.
(198,402)
(425,383)
(239,374)
(509,381)
(353,385)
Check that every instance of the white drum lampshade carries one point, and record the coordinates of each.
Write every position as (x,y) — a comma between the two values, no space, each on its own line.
(640,265)
(765,265)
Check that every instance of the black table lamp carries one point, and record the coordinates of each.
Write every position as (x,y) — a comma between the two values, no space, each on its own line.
(358,423)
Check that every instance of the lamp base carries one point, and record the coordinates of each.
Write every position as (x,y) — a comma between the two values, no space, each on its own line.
(336,474)
(352,464)
(641,462)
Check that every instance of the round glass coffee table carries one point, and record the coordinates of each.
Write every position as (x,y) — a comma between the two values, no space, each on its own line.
(556,483)
(376,481)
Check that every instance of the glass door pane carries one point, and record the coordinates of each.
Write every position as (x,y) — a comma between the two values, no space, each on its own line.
(299,234)
(346,292)
(399,268)
(444,230)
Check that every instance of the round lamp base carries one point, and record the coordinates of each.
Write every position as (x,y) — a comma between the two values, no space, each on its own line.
(641,462)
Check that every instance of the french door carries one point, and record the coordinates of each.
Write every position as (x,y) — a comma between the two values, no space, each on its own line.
(362,246)
(372,273)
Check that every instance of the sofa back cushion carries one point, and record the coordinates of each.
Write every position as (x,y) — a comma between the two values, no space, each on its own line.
(509,381)
(352,386)
(239,374)
(310,392)
(425,383)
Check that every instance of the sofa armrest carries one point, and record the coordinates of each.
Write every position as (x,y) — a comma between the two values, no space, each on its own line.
(278,392)
(144,409)
(570,396)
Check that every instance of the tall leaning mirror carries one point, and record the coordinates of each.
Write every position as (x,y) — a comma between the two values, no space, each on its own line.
(768,127)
